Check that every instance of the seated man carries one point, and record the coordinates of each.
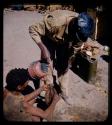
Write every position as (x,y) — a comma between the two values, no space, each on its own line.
(36,71)
(18,107)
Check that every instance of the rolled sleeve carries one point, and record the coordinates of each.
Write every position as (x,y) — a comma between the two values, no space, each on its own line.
(37,31)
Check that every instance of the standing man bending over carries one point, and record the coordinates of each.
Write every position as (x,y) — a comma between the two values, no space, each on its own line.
(55,35)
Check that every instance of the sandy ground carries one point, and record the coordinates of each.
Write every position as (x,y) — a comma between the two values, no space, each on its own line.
(89,102)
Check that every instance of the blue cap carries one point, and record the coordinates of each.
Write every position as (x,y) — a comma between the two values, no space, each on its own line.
(85,25)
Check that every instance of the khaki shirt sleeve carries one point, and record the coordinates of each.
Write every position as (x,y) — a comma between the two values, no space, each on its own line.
(36,31)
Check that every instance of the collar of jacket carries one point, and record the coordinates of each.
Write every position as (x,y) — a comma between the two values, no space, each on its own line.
(68,21)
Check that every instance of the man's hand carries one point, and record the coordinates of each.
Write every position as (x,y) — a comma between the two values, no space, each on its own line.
(56,97)
(43,84)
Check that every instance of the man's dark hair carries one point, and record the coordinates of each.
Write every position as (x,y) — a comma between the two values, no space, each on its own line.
(82,27)
(16,77)
(85,24)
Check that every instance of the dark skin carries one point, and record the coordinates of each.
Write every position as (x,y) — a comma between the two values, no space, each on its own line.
(29,99)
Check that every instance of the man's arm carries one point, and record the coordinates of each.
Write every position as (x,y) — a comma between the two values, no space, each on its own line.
(37,31)
(32,95)
(44,52)
(32,101)
(35,111)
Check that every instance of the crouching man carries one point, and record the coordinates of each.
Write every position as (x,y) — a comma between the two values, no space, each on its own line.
(17,107)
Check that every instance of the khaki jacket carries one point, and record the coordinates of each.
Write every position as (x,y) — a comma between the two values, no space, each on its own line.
(54,25)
